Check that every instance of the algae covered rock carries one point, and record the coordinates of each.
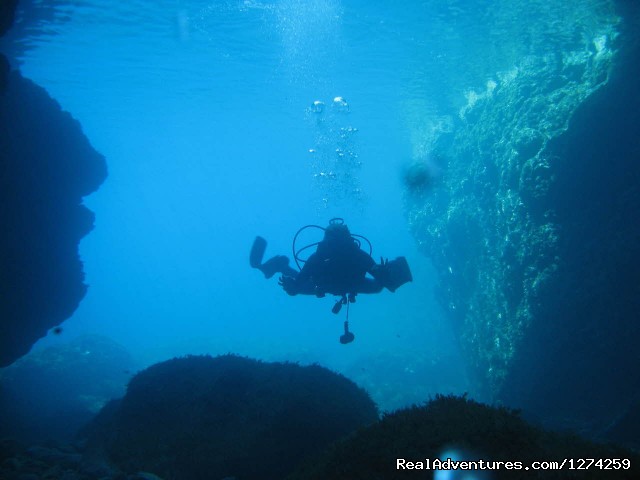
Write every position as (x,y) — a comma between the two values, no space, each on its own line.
(529,227)
(463,430)
(200,417)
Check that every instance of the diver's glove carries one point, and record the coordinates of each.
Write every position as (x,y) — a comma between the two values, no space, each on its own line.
(288,284)
(392,274)
(381,272)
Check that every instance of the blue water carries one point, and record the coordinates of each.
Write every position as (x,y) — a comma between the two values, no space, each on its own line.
(204,113)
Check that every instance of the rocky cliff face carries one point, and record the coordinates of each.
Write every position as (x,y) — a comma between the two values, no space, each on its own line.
(46,166)
(530,227)
(7,12)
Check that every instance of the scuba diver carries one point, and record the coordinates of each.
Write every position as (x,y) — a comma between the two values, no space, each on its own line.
(339,266)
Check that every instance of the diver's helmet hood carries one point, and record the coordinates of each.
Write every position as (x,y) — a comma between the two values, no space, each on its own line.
(335,230)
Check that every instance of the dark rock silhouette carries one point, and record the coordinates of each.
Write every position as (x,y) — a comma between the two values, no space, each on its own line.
(466,430)
(46,166)
(7,13)
(200,417)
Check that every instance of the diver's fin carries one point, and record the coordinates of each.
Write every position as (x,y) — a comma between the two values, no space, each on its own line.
(277,264)
(398,273)
(257,252)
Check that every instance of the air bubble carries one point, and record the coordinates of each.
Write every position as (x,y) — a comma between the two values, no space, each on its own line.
(329,174)
(317,106)
(340,104)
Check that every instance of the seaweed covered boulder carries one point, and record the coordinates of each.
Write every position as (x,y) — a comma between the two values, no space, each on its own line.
(406,443)
(200,417)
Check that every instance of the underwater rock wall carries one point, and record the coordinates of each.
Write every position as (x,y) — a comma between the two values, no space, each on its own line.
(530,228)
(46,166)
(587,319)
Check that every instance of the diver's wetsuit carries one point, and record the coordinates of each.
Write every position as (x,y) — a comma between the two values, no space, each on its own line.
(338,267)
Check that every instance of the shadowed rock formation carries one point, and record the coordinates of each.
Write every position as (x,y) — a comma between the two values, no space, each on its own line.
(46,166)
(463,430)
(200,417)
(7,12)
(532,228)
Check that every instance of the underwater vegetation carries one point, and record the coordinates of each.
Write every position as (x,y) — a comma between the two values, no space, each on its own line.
(451,426)
(200,417)
(49,394)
